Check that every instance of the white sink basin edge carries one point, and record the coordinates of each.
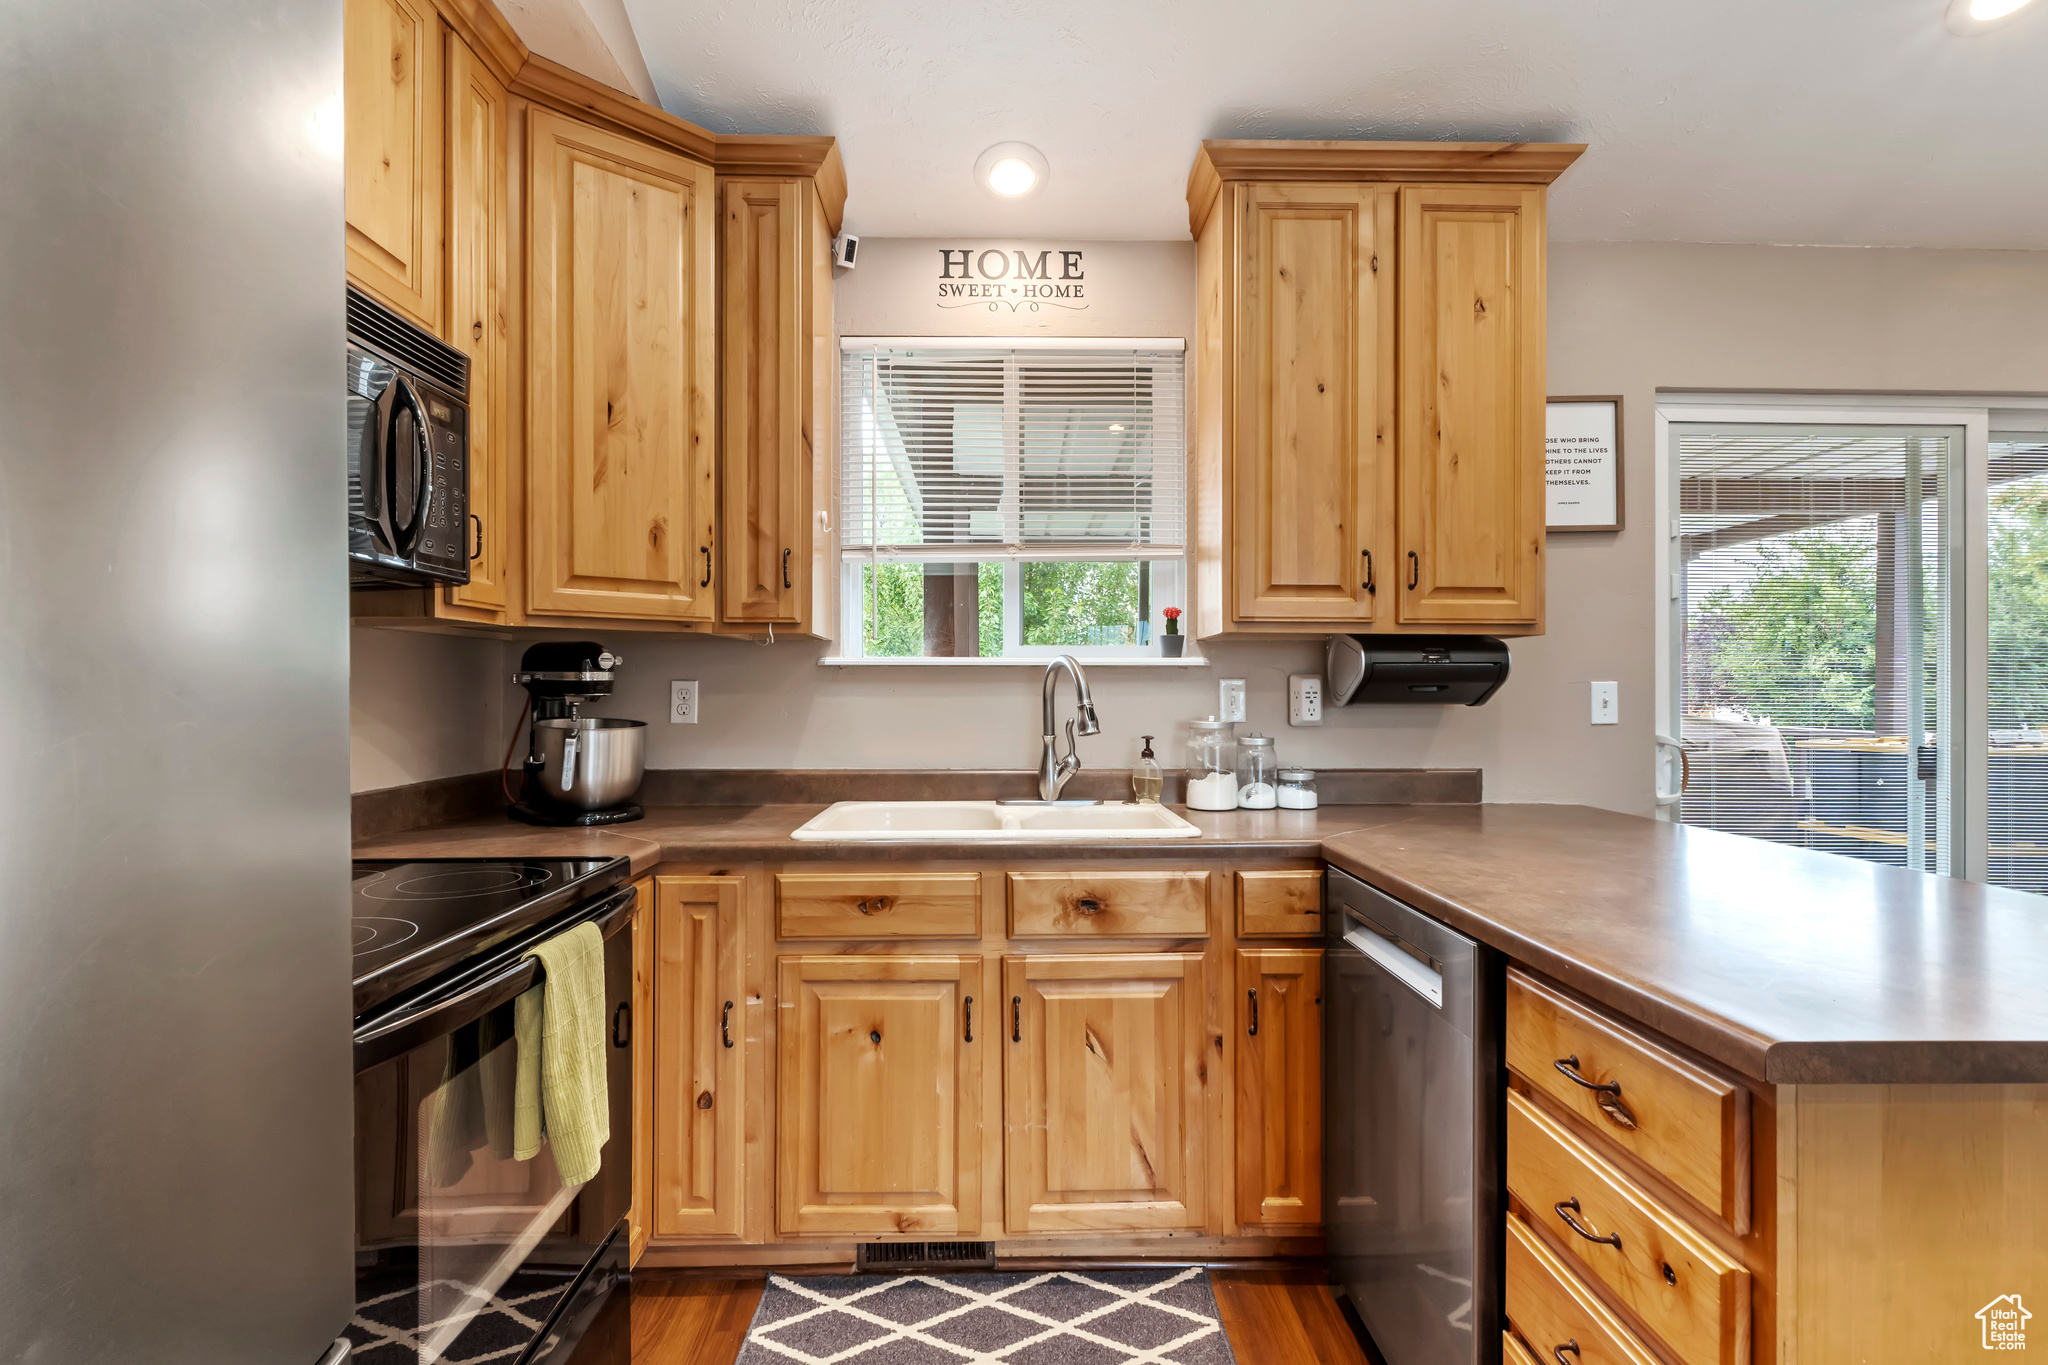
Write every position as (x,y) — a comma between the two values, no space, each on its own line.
(989,822)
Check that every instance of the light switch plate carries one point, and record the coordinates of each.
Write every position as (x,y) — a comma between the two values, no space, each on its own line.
(682,703)
(1606,703)
(1304,699)
(1230,699)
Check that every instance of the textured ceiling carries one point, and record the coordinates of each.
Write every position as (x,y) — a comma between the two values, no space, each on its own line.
(1858,122)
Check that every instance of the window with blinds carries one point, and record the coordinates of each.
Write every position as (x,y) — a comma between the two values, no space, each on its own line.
(1005,498)
(2017,675)
(1814,659)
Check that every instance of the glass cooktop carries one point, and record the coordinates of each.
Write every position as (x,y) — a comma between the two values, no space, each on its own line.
(414,920)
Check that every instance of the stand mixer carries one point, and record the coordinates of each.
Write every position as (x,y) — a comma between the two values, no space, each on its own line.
(580,770)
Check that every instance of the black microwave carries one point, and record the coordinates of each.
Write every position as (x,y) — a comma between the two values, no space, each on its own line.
(408,453)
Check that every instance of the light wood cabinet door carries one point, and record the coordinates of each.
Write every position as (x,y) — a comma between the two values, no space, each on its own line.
(1471,463)
(391,160)
(766,353)
(621,377)
(1279,1087)
(1315,404)
(640,1221)
(878,1125)
(1103,1092)
(700,1017)
(476,309)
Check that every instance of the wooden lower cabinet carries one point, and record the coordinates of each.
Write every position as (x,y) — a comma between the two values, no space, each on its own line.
(640,1219)
(879,1123)
(1279,1107)
(699,1029)
(1103,1092)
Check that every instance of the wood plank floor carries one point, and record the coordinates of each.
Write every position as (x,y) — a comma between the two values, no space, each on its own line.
(1272,1317)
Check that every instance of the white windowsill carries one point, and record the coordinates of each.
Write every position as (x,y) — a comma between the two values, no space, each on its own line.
(840,661)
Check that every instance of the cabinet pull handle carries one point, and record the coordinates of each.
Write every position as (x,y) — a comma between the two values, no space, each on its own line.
(1567,1207)
(1016,1018)
(1610,1101)
(725,1024)
(1414,571)
(785,569)
(1368,584)
(970,1019)
(1253,997)
(623,1012)
(1573,1347)
(478,523)
(707,566)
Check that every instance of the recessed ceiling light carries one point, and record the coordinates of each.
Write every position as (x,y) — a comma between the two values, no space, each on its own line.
(1975,16)
(1012,170)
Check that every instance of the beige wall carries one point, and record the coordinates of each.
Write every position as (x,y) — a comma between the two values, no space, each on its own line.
(424,706)
(1626,319)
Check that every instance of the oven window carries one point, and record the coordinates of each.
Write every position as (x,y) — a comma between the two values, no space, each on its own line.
(463,1250)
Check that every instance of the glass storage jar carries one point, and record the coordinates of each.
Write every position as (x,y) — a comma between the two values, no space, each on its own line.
(1257,768)
(1212,771)
(1297,789)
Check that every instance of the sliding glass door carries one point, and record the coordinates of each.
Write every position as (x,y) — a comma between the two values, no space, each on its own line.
(1814,632)
(2016,555)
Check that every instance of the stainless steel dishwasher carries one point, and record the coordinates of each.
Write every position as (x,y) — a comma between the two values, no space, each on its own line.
(1413,1168)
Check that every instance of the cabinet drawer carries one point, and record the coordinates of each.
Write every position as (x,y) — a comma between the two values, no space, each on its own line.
(1280,902)
(1691,1126)
(1550,1309)
(1514,1352)
(1109,904)
(1690,1292)
(912,905)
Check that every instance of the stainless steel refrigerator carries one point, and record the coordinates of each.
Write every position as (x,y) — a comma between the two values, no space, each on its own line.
(174,962)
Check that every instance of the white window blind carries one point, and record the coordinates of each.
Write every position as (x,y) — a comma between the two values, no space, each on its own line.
(1011,451)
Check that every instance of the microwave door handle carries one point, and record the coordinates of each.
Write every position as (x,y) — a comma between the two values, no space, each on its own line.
(407,537)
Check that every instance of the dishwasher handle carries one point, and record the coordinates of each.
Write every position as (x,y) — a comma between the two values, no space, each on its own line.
(1396,958)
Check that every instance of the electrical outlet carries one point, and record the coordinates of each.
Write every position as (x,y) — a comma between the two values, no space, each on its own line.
(682,703)
(1230,699)
(1304,699)
(1606,703)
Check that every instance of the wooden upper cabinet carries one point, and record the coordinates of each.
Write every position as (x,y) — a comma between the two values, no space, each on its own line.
(1472,461)
(621,377)
(391,121)
(1104,1089)
(1369,321)
(878,1122)
(766,354)
(698,1030)
(1315,401)
(476,311)
(1279,1087)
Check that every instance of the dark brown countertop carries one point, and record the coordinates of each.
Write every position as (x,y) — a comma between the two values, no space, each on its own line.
(1791,967)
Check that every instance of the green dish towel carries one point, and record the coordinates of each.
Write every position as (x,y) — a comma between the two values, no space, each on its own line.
(560,1089)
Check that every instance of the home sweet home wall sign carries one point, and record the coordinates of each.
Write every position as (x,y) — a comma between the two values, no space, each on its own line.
(1012,280)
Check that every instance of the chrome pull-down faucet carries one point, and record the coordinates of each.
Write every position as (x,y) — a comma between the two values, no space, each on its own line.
(1053,770)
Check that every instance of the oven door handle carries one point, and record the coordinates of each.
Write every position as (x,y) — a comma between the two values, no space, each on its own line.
(380,1040)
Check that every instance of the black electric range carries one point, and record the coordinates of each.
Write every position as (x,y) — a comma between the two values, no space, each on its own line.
(415,921)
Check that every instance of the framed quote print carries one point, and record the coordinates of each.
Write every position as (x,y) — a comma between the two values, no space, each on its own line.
(1582,464)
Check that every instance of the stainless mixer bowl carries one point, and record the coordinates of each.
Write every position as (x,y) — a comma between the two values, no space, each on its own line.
(610,757)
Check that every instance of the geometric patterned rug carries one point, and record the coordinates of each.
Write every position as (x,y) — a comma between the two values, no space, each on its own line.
(386,1329)
(1064,1317)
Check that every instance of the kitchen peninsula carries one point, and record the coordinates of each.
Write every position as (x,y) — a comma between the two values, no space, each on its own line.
(1868,1047)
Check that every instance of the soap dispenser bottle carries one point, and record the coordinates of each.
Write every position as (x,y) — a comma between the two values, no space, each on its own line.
(1145,777)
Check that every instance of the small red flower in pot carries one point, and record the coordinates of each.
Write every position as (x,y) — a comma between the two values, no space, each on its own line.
(1173,642)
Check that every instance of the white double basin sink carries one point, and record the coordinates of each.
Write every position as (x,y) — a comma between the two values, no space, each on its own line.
(990,821)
